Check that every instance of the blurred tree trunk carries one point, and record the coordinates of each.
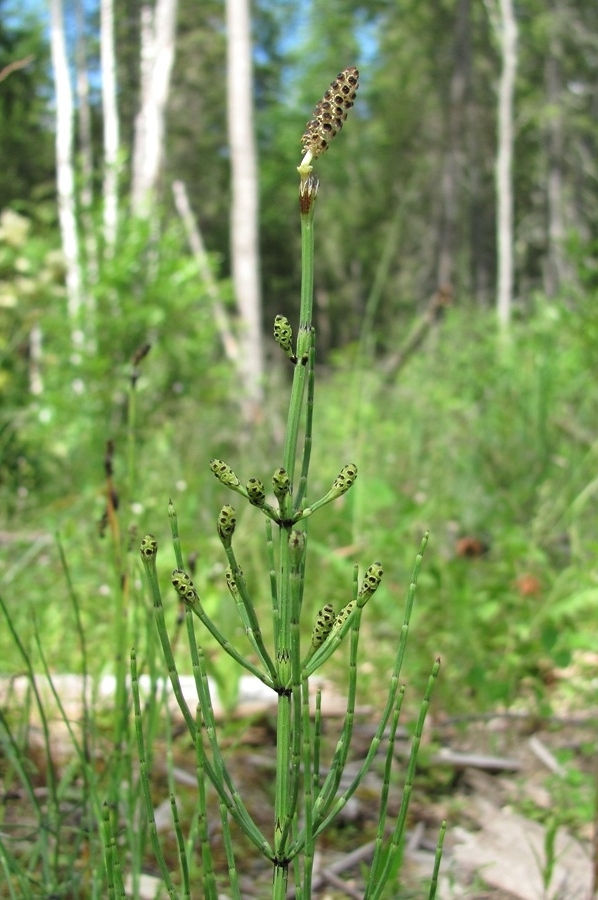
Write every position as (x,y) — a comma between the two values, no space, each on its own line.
(230,344)
(453,159)
(157,57)
(244,202)
(111,125)
(556,269)
(506,30)
(65,173)
(84,133)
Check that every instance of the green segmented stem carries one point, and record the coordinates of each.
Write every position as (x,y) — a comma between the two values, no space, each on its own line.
(233,880)
(145,784)
(273,579)
(328,790)
(437,861)
(393,693)
(174,529)
(317,743)
(233,804)
(149,564)
(309,418)
(114,884)
(325,818)
(209,722)
(288,669)
(181,848)
(304,338)
(308,791)
(409,607)
(381,830)
(298,742)
(378,878)
(223,782)
(283,788)
(193,603)
(209,881)
(297,545)
(248,617)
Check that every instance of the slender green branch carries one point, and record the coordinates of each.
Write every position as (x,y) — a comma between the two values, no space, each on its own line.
(324,813)
(273,579)
(220,775)
(317,744)
(437,861)
(308,789)
(246,610)
(145,784)
(210,889)
(305,803)
(288,731)
(186,590)
(320,652)
(176,541)
(181,849)
(233,881)
(380,876)
(309,418)
(149,549)
(381,830)
(234,805)
(308,194)
(109,844)
(178,828)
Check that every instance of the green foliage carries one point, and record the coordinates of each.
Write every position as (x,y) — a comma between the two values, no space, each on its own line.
(26,142)
(493,447)
(491,444)
(31,281)
(306,801)
(414,125)
(148,293)
(480,443)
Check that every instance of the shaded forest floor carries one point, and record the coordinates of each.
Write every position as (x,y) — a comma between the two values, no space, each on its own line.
(512,787)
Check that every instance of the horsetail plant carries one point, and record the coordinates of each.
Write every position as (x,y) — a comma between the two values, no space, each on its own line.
(307,798)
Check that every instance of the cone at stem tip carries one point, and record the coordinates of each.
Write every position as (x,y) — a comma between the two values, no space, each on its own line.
(149,547)
(184,586)
(329,114)
(227,521)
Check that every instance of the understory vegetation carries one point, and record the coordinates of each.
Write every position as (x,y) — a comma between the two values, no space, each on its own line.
(127,383)
(490,449)
(487,446)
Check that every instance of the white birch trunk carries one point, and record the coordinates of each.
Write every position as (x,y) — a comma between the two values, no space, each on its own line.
(507,35)
(557,269)
(244,211)
(65,175)
(86,193)
(194,236)
(157,58)
(84,113)
(110,118)
(36,381)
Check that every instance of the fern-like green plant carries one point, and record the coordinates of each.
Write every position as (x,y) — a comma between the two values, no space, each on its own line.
(306,801)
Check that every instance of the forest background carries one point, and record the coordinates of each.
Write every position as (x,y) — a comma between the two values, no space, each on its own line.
(456,318)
